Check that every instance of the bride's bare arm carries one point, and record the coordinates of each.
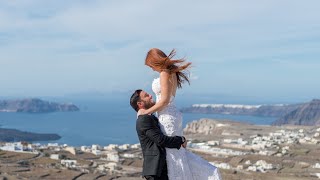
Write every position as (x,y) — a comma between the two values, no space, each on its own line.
(165,93)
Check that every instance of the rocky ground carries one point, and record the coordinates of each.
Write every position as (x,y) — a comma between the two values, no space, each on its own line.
(30,166)
(297,162)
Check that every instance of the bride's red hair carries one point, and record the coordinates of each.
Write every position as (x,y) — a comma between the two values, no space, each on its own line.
(158,59)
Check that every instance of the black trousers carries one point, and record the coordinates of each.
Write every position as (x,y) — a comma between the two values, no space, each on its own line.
(164,175)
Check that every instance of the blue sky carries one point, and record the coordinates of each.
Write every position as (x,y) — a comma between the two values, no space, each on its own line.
(255,49)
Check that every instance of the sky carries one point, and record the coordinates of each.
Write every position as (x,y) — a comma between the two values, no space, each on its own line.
(252,49)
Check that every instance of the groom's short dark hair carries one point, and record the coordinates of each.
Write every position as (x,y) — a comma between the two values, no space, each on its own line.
(135,98)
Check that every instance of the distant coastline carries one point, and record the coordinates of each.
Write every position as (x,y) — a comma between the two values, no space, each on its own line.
(277,110)
(306,113)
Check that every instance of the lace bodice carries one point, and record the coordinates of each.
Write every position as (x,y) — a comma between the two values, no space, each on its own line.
(156,88)
(170,117)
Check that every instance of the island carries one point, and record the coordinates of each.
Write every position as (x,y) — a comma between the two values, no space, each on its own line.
(35,105)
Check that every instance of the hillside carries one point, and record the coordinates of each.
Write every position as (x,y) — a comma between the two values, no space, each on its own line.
(307,114)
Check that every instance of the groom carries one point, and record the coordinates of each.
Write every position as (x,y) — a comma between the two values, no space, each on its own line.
(152,140)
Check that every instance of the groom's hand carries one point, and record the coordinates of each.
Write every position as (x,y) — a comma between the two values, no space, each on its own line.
(184,142)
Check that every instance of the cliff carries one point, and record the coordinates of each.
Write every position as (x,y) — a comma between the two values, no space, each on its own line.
(275,110)
(9,135)
(258,110)
(307,114)
(34,105)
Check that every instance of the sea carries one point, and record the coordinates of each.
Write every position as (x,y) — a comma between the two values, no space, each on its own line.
(101,120)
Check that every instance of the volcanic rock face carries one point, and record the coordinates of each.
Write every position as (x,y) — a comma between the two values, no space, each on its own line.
(203,126)
(307,114)
(211,127)
(34,105)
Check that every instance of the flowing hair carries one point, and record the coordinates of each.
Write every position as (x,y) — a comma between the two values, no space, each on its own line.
(158,59)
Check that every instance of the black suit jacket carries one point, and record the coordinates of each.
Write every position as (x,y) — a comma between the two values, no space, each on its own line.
(153,143)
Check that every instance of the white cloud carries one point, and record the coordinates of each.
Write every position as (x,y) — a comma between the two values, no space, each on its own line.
(105,37)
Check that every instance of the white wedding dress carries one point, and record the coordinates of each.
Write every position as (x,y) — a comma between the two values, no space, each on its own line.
(182,164)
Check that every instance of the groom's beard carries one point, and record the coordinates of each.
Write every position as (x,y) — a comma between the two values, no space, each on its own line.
(149,104)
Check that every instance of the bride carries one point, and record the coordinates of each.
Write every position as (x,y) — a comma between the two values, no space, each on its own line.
(182,164)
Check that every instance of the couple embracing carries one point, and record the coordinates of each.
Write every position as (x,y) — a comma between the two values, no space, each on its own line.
(162,142)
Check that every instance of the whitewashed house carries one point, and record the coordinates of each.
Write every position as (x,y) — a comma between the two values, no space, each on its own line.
(128,155)
(69,163)
(55,156)
(53,144)
(113,156)
(111,147)
(96,152)
(17,147)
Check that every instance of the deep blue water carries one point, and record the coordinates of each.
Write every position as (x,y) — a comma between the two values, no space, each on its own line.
(101,121)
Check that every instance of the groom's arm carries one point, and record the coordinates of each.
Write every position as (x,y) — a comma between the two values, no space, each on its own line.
(152,130)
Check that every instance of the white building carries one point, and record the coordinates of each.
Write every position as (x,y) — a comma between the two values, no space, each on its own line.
(316,166)
(230,141)
(203,146)
(221,165)
(135,146)
(53,144)
(69,163)
(111,166)
(96,152)
(111,147)
(124,147)
(17,147)
(113,156)
(95,147)
(85,148)
(261,166)
(55,156)
(213,143)
(127,155)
